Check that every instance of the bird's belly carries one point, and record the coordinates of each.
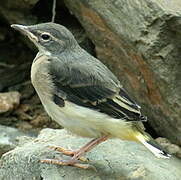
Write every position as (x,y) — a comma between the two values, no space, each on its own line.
(86,122)
(78,120)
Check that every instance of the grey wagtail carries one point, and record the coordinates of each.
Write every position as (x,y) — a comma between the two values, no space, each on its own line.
(82,94)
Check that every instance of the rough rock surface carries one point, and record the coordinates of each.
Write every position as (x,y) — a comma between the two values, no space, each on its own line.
(9,101)
(8,139)
(19,10)
(171,148)
(140,41)
(113,159)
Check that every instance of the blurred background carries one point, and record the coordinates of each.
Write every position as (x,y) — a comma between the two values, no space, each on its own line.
(140,44)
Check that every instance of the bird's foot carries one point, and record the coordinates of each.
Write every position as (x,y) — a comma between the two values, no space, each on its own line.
(70,162)
(76,155)
(69,153)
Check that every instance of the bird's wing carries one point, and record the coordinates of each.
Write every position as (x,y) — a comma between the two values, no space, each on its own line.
(96,88)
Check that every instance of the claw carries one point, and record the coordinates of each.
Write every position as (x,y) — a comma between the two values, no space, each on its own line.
(62,150)
(83,159)
(67,163)
(68,153)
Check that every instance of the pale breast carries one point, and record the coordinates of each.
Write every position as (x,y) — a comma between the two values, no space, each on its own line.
(40,76)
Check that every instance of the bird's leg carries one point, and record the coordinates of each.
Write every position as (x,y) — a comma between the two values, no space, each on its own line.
(90,145)
(76,155)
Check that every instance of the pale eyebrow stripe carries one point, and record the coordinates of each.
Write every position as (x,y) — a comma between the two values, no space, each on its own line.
(54,38)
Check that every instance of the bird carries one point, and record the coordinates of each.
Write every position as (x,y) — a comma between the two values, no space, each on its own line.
(81,94)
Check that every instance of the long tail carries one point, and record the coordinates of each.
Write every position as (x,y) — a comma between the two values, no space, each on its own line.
(149,143)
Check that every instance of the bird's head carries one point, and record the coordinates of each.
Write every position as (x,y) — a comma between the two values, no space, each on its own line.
(48,37)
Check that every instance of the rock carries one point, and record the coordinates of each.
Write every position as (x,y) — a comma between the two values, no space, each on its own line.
(16,11)
(25,126)
(22,112)
(9,101)
(42,120)
(25,88)
(82,39)
(140,42)
(13,75)
(8,138)
(171,148)
(114,159)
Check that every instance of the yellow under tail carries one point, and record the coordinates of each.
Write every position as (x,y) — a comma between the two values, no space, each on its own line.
(150,144)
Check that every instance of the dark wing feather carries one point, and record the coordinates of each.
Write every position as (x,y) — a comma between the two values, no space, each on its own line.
(96,88)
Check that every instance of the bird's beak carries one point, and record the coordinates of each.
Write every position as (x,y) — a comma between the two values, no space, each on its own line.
(26,31)
(21,28)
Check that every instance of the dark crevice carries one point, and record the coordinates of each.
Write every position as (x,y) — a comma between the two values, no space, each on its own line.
(150,130)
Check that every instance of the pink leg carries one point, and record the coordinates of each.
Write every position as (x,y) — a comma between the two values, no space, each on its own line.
(90,145)
(76,154)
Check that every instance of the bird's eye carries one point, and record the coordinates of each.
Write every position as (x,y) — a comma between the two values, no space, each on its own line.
(45,36)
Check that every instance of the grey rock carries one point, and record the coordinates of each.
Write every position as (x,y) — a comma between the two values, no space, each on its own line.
(18,11)
(13,75)
(171,148)
(114,159)
(8,138)
(140,42)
